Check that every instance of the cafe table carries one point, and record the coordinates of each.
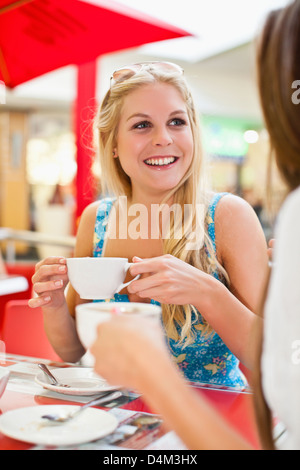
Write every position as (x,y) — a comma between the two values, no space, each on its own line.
(138,428)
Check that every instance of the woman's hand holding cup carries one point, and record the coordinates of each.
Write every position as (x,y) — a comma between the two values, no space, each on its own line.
(49,282)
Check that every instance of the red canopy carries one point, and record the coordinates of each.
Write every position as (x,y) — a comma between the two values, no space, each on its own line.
(39,36)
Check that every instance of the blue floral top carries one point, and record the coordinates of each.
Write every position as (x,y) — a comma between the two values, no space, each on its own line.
(207,359)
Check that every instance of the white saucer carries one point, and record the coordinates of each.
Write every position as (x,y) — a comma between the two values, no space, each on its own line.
(82,381)
(26,424)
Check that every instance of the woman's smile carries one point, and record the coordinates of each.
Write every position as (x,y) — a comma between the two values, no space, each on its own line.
(160,162)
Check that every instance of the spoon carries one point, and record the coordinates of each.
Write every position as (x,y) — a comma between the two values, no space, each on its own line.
(51,376)
(108,397)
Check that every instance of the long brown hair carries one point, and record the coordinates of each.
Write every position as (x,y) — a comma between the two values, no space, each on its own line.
(191,191)
(278,68)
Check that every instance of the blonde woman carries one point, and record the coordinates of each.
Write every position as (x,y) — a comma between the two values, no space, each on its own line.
(206,268)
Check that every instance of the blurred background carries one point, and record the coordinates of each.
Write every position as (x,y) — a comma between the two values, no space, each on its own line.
(47,175)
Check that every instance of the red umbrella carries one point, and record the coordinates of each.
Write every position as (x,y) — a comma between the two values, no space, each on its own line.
(39,36)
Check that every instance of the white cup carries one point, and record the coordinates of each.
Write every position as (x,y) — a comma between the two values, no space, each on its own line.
(90,315)
(98,278)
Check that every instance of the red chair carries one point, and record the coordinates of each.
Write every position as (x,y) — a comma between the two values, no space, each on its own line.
(22,269)
(23,331)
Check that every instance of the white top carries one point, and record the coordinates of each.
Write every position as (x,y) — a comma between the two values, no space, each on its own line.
(281,349)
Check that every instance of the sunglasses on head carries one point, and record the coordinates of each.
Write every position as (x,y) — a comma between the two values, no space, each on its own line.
(128,71)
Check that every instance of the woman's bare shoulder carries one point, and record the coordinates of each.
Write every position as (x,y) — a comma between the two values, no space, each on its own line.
(233,210)
(91,210)
(235,222)
(231,203)
(85,232)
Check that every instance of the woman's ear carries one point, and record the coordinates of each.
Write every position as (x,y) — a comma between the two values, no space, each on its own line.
(115,153)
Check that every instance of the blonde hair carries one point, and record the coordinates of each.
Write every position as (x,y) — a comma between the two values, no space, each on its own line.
(190,190)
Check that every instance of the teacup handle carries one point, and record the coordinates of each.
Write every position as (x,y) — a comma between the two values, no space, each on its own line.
(122,286)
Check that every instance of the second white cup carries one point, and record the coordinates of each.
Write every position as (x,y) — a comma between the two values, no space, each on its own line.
(90,315)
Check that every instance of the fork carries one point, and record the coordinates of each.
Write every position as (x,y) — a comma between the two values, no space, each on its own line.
(51,376)
(108,397)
